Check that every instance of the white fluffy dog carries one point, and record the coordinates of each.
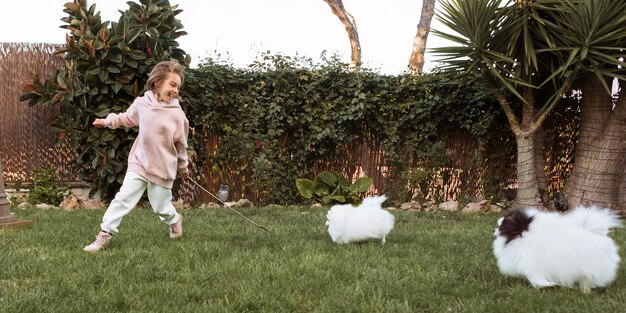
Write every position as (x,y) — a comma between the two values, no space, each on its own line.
(368,221)
(551,249)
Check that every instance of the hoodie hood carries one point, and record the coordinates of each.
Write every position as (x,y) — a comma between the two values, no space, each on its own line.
(150,99)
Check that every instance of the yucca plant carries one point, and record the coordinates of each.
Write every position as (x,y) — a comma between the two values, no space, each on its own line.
(106,68)
(531,53)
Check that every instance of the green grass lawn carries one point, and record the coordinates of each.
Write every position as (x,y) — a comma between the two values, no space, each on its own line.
(432,262)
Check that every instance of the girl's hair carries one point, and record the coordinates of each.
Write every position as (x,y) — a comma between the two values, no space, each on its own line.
(161,70)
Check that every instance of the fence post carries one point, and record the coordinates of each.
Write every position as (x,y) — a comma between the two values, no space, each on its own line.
(7,219)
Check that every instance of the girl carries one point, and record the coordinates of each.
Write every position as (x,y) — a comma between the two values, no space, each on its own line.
(159,151)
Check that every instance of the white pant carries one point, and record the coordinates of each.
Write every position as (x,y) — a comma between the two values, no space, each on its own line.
(131,191)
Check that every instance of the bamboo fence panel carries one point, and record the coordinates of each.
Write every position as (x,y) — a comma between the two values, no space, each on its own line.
(26,142)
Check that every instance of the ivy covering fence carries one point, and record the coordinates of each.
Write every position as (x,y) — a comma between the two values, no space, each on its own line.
(259,129)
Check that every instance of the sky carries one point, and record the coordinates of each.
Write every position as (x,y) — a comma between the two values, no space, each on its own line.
(239,30)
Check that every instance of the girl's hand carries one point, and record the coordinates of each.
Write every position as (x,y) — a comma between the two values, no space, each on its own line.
(99,122)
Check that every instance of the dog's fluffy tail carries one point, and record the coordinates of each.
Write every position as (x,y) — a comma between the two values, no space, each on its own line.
(595,219)
(376,201)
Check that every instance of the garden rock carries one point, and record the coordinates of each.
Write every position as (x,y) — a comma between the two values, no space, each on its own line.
(24,205)
(180,204)
(92,204)
(483,206)
(449,206)
(81,193)
(69,203)
(210,205)
(497,208)
(430,206)
(242,203)
(411,206)
(45,206)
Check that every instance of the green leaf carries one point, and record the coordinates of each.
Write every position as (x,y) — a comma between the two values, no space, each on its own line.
(328,177)
(153,31)
(132,63)
(115,58)
(108,136)
(28,95)
(320,188)
(305,187)
(98,45)
(94,70)
(111,178)
(116,87)
(152,8)
(137,55)
(326,199)
(363,184)
(94,162)
(113,69)
(61,80)
(103,75)
(340,199)
(341,180)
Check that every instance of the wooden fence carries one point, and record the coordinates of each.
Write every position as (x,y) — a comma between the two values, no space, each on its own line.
(26,142)
(366,157)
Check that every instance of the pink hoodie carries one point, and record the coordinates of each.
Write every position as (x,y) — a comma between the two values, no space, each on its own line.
(160,149)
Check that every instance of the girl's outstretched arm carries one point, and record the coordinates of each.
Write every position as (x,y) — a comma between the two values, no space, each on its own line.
(100,122)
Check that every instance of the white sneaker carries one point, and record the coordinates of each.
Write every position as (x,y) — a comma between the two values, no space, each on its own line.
(102,240)
(176,229)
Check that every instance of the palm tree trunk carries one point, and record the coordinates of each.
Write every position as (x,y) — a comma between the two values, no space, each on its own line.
(527,190)
(540,164)
(527,187)
(416,62)
(622,193)
(600,157)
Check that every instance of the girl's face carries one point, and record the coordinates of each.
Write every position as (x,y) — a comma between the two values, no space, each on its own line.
(168,88)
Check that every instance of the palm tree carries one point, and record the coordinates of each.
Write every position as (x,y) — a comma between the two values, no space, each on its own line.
(530,53)
(597,29)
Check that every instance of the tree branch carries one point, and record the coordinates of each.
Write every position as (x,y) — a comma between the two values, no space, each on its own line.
(504,103)
(349,23)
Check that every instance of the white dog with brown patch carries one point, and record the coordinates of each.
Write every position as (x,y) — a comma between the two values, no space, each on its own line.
(368,221)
